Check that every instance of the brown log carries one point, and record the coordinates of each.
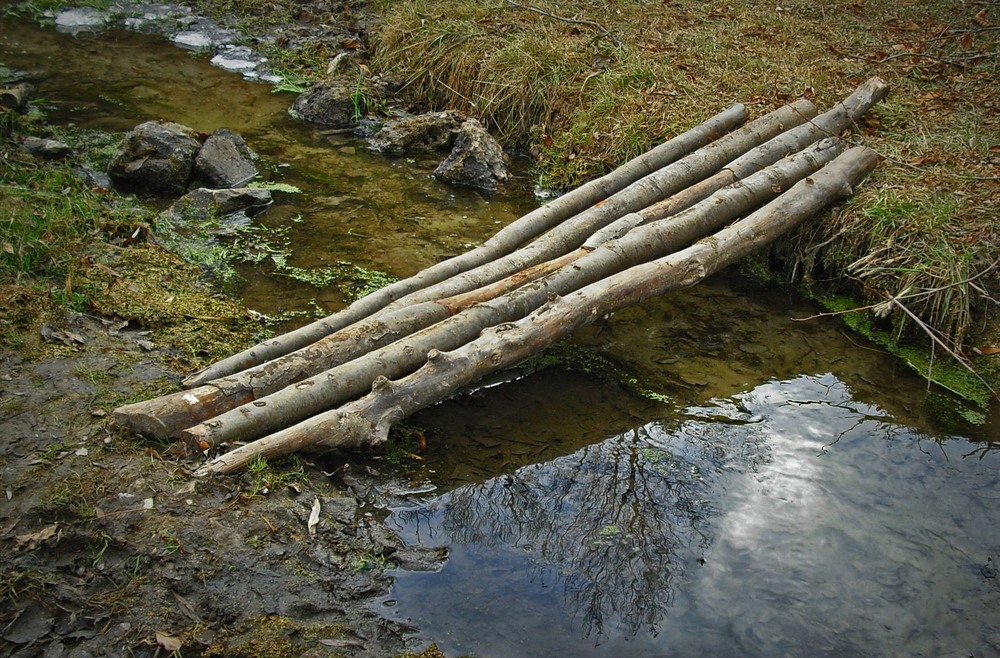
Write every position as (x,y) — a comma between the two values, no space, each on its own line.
(16,97)
(505,240)
(644,243)
(165,416)
(368,420)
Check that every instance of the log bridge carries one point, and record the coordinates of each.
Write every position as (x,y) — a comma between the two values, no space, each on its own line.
(663,221)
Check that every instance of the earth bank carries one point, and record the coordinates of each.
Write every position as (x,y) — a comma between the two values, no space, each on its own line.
(110,548)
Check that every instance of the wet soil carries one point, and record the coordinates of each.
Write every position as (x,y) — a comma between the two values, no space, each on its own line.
(108,547)
(111,548)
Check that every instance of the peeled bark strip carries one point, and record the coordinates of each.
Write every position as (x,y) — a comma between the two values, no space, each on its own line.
(368,420)
(505,240)
(642,244)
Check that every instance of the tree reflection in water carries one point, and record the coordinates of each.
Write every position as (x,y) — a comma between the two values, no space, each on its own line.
(618,522)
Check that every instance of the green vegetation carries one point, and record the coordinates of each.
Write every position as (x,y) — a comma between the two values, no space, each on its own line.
(581,104)
(266,477)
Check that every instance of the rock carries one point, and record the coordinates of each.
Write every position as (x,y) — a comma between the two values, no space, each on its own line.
(193,40)
(335,104)
(434,131)
(203,204)
(477,160)
(80,19)
(46,149)
(238,59)
(156,155)
(225,160)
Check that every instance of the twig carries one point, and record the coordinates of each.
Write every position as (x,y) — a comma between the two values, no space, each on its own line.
(915,295)
(575,21)
(938,341)
(944,173)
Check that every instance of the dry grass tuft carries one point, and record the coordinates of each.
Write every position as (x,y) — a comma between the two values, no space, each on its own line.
(927,220)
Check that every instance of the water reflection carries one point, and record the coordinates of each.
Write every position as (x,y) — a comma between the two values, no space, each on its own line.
(791,519)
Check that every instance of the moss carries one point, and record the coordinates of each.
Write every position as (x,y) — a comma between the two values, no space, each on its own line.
(273,636)
(937,367)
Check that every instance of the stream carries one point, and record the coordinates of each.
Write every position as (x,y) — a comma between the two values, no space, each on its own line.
(785,490)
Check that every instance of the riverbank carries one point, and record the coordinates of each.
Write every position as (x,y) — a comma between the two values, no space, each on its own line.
(109,546)
(581,93)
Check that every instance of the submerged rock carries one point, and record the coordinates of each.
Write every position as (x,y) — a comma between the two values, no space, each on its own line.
(80,19)
(225,160)
(156,155)
(46,149)
(434,131)
(334,104)
(477,160)
(203,204)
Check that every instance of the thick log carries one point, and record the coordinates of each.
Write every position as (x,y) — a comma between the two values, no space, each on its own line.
(643,243)
(16,97)
(162,417)
(369,419)
(505,240)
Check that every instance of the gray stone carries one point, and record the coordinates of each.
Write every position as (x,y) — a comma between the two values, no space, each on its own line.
(156,155)
(335,104)
(434,131)
(193,40)
(476,161)
(80,18)
(225,160)
(203,204)
(46,149)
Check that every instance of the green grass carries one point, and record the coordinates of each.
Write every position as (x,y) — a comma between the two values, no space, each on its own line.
(581,106)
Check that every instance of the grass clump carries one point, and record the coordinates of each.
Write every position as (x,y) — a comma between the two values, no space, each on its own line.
(583,102)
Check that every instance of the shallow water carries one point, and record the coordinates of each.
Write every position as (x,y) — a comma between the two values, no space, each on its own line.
(792,495)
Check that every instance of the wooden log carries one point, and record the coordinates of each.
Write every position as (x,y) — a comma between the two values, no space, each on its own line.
(368,420)
(505,240)
(16,97)
(163,417)
(643,243)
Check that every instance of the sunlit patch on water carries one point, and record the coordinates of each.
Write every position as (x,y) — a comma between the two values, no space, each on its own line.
(788,520)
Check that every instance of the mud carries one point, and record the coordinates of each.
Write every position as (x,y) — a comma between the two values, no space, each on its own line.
(110,548)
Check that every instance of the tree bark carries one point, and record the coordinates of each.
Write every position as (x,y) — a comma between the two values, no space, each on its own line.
(505,240)
(162,417)
(369,419)
(642,244)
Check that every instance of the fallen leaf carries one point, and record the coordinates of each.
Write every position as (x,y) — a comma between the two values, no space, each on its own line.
(31,541)
(169,642)
(989,350)
(314,517)
(981,18)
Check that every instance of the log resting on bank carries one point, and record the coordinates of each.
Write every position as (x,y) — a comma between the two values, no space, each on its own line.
(642,244)
(503,242)
(166,416)
(368,420)
(163,417)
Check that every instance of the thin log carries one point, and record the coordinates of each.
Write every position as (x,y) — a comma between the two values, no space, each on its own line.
(644,243)
(368,420)
(503,242)
(162,417)
(658,185)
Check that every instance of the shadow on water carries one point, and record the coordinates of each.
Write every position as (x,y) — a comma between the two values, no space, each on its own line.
(782,495)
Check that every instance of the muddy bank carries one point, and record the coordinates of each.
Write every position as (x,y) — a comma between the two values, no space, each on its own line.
(110,548)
